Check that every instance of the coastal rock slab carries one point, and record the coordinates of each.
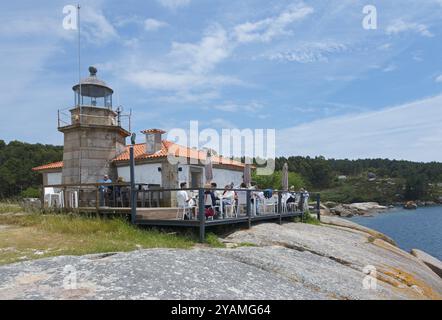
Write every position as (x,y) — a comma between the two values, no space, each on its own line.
(430,261)
(363,208)
(398,273)
(148,275)
(290,261)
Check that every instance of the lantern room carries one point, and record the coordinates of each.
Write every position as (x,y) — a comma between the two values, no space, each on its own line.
(93,92)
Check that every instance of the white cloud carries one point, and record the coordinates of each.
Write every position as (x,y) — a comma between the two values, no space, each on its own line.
(186,97)
(153,25)
(174,4)
(309,52)
(267,29)
(235,107)
(96,27)
(411,131)
(190,74)
(222,123)
(176,81)
(188,69)
(439,78)
(400,26)
(202,57)
(390,68)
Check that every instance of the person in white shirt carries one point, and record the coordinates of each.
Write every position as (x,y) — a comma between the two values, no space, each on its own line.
(228,196)
(184,200)
(182,196)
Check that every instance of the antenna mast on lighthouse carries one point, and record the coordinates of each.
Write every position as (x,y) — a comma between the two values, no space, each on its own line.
(80,102)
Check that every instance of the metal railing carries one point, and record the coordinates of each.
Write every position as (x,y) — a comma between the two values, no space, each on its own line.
(238,206)
(66,118)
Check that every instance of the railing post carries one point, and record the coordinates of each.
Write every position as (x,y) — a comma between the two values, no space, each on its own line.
(42,197)
(280,207)
(318,206)
(65,201)
(302,207)
(248,208)
(133,192)
(201,215)
(97,200)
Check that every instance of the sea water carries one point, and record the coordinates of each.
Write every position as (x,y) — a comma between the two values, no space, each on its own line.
(410,229)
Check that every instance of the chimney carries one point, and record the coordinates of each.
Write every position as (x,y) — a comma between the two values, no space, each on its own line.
(153,140)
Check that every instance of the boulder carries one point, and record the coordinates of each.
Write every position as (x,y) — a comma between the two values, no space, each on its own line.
(342,211)
(364,208)
(410,205)
(432,262)
(325,211)
(330,204)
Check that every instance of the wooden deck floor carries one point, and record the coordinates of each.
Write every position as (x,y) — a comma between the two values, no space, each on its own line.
(167,217)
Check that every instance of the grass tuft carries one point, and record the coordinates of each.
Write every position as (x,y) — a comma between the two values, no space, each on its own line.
(213,241)
(37,236)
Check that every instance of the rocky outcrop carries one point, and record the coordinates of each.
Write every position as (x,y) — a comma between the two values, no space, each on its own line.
(349,210)
(429,260)
(410,205)
(269,261)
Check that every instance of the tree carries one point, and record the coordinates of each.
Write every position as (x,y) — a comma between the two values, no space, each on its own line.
(16,162)
(274,181)
(415,187)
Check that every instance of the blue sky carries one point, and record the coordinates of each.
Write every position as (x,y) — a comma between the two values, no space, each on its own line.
(305,68)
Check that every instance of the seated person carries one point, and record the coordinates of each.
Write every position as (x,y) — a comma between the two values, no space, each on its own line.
(184,200)
(228,196)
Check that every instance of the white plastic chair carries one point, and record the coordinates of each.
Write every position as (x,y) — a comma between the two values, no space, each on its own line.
(227,209)
(270,204)
(183,208)
(51,196)
(73,199)
(242,201)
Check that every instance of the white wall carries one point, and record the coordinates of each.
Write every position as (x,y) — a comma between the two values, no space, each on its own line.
(183,176)
(149,174)
(144,173)
(223,177)
(54,178)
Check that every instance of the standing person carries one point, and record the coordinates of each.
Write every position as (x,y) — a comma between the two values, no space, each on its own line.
(306,200)
(305,196)
(104,190)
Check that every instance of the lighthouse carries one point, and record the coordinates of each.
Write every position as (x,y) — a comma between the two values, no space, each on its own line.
(93,135)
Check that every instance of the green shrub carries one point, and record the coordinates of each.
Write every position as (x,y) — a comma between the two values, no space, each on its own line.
(30,193)
(274,181)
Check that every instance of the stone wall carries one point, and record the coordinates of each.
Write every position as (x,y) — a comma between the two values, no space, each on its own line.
(96,142)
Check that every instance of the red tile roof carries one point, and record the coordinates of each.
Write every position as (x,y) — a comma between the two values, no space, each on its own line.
(51,166)
(168,148)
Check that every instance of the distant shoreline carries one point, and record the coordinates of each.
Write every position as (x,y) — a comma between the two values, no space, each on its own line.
(368,209)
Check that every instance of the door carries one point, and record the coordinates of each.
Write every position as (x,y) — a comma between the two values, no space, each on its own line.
(196,178)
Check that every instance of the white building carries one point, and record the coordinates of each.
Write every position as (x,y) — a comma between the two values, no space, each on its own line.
(151,160)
